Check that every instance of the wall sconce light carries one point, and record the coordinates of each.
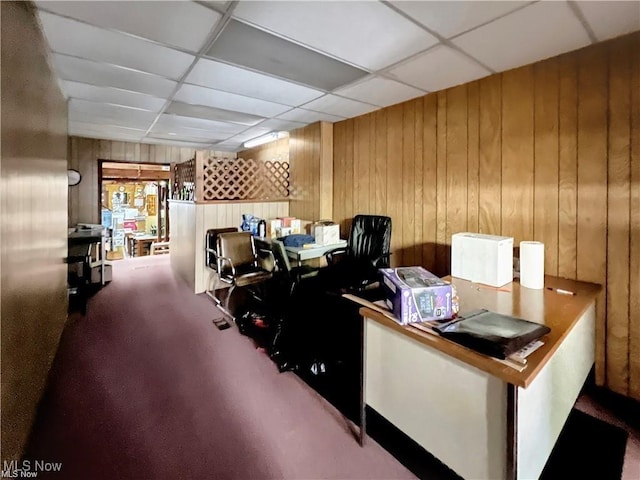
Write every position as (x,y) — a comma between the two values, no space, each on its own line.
(269,137)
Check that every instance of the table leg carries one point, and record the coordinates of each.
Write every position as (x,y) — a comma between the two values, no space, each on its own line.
(138,248)
(363,380)
(512,432)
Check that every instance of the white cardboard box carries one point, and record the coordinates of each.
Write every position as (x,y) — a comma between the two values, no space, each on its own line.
(486,259)
(96,272)
(326,234)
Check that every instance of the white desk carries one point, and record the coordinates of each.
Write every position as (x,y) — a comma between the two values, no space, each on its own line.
(300,253)
(483,419)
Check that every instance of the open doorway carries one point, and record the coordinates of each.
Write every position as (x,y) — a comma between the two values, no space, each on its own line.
(133,204)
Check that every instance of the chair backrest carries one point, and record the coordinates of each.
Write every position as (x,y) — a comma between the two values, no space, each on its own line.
(280,255)
(238,247)
(211,244)
(370,236)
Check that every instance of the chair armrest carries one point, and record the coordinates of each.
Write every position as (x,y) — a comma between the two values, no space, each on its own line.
(222,261)
(332,253)
(267,253)
(210,251)
(376,261)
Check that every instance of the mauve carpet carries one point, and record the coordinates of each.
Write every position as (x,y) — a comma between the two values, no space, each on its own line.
(145,387)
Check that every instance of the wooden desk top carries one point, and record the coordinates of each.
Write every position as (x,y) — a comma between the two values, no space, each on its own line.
(558,311)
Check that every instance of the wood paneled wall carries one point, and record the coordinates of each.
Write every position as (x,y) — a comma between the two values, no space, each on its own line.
(84,154)
(546,152)
(33,224)
(272,151)
(311,169)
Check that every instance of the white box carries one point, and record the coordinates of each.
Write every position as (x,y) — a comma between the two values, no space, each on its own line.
(96,272)
(326,234)
(295,226)
(273,225)
(486,259)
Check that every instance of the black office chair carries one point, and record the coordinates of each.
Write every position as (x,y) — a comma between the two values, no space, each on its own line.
(355,266)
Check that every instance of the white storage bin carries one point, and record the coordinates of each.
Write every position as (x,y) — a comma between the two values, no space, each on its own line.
(486,259)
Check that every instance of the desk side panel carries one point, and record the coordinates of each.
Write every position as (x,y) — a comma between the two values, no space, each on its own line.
(544,407)
(455,411)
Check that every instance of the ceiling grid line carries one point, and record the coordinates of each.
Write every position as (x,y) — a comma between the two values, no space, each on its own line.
(211,38)
(216,74)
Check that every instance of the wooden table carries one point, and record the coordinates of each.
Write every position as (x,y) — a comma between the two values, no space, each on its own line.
(137,243)
(480,417)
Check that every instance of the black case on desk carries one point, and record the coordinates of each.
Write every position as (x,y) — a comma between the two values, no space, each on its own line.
(492,333)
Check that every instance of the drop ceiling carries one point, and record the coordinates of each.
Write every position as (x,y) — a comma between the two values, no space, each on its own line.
(215,74)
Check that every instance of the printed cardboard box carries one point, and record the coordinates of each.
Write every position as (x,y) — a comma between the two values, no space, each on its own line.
(414,294)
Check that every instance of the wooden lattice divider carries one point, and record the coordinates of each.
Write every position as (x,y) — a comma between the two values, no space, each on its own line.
(184,175)
(243,179)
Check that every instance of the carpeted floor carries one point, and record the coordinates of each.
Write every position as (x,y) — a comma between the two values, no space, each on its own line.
(587,448)
(145,386)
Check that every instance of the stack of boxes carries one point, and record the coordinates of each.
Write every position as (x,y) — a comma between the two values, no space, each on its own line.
(283,226)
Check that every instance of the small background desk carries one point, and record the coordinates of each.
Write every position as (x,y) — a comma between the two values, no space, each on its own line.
(480,417)
(300,254)
(139,245)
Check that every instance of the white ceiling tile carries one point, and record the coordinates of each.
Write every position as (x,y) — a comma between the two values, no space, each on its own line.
(183,24)
(81,117)
(439,68)
(451,18)
(227,147)
(276,124)
(83,110)
(611,18)
(244,82)
(112,128)
(182,138)
(380,91)
(210,113)
(101,135)
(94,93)
(201,134)
(85,71)
(536,32)
(176,143)
(75,126)
(172,122)
(368,34)
(248,135)
(343,107)
(196,95)
(86,41)
(307,116)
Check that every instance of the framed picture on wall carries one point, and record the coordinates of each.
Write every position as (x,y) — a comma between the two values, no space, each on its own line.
(151,205)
